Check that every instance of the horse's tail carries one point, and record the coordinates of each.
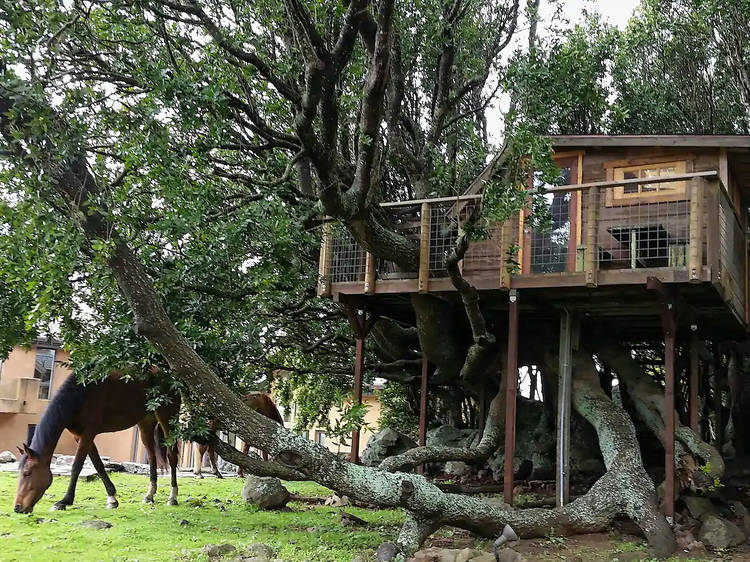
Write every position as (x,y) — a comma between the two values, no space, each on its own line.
(161,448)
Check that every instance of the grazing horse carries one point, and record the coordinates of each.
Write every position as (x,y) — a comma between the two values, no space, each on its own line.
(260,402)
(111,405)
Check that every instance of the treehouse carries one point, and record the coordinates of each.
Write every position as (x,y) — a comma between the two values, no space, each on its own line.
(645,237)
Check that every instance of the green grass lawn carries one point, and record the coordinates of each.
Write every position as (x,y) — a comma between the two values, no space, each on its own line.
(142,532)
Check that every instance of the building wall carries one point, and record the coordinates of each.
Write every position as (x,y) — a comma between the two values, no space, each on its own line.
(20,406)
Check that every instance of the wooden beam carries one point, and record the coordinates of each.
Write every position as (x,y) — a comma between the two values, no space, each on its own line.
(423,410)
(592,224)
(511,385)
(424,249)
(728,141)
(637,181)
(326,260)
(430,200)
(669,327)
(564,389)
(693,404)
(369,288)
(359,364)
(695,260)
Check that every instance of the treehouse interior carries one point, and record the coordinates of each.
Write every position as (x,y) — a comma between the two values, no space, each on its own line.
(645,238)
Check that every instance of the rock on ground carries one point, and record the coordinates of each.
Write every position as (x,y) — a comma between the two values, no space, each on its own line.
(720,533)
(452,555)
(385,444)
(96,524)
(7,456)
(265,492)
(218,550)
(698,506)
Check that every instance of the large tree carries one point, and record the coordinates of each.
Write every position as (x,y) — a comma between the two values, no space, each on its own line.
(167,160)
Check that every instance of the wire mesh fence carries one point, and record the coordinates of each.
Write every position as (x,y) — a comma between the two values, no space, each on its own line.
(348,257)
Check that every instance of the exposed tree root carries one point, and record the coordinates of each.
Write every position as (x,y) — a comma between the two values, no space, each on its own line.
(648,401)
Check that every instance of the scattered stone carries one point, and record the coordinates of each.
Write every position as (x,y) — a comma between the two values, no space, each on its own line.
(135,468)
(698,506)
(385,444)
(720,533)
(265,492)
(686,541)
(456,468)
(112,466)
(509,555)
(184,523)
(194,502)
(435,554)
(258,550)
(352,520)
(387,551)
(96,524)
(7,456)
(336,501)
(218,550)
(739,509)
(45,520)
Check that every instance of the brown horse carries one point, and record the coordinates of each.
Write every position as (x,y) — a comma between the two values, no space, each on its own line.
(262,403)
(112,405)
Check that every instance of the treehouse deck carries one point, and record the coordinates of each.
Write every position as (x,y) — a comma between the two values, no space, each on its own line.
(629,209)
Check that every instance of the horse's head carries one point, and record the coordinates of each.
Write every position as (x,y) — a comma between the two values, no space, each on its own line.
(34,477)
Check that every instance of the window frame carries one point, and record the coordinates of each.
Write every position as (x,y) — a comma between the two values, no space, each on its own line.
(675,191)
(51,372)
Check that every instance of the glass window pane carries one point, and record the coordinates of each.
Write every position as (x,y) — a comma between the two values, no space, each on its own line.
(43,367)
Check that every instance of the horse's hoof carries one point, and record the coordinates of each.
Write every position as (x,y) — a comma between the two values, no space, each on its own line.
(148,500)
(170,501)
(218,475)
(59,507)
(113,504)
(200,476)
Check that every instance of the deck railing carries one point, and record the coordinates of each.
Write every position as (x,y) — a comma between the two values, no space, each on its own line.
(589,231)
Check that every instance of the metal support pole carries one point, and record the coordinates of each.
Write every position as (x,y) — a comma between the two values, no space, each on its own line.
(694,382)
(357,392)
(562,478)
(511,373)
(669,344)
(423,411)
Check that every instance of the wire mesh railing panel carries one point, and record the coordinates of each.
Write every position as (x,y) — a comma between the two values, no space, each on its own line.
(444,225)
(348,258)
(731,255)
(404,220)
(642,234)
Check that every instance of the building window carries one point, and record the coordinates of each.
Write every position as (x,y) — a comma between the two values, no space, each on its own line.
(633,193)
(43,370)
(30,433)
(320,437)
(1,370)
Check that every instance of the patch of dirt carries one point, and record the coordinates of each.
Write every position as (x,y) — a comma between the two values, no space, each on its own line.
(619,545)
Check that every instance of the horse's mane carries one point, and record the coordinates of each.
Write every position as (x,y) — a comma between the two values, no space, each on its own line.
(66,403)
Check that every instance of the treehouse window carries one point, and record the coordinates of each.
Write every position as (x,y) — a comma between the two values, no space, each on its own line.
(634,193)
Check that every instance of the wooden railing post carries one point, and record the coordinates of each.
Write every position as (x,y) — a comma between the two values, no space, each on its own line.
(695,261)
(713,248)
(592,218)
(326,259)
(369,274)
(505,244)
(424,249)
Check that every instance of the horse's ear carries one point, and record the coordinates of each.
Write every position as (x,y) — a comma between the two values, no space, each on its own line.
(29,451)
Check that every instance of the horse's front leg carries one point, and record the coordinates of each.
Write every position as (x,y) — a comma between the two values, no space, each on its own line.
(96,460)
(84,444)
(146,429)
(173,453)
(214,463)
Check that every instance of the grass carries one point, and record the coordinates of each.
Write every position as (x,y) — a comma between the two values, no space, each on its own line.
(142,532)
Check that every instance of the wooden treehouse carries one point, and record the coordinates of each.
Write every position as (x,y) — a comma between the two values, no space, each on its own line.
(647,237)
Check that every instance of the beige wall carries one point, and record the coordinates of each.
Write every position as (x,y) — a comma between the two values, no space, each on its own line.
(20,406)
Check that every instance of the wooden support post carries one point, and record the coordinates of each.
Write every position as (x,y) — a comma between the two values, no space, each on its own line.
(326,259)
(423,411)
(511,385)
(713,245)
(424,249)
(564,389)
(695,260)
(359,364)
(669,327)
(369,274)
(505,244)
(592,217)
(694,405)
